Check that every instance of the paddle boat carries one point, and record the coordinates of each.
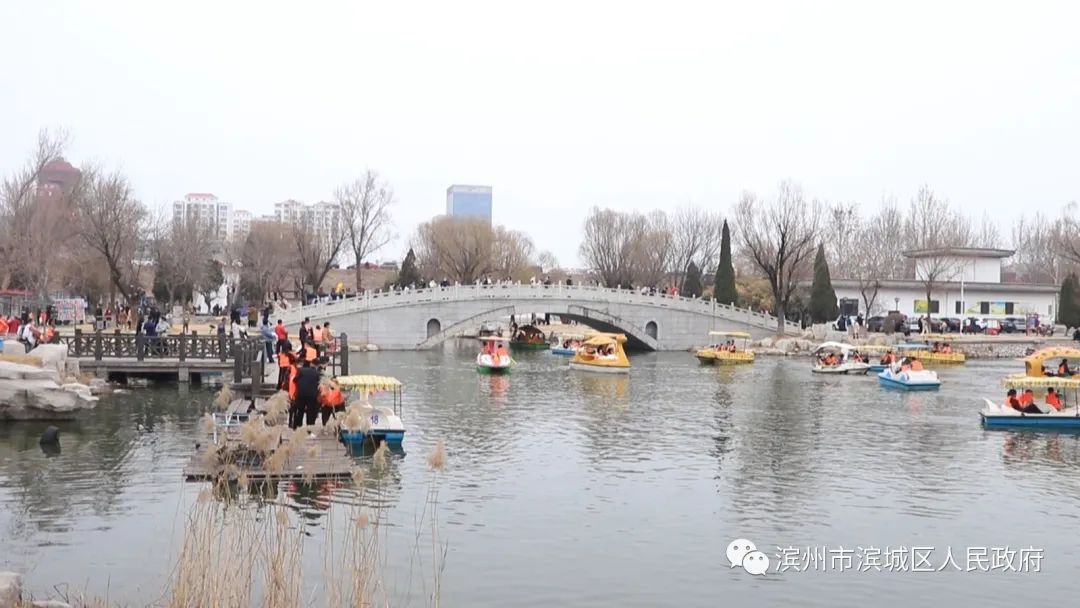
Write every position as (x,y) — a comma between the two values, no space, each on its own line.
(838,358)
(882,364)
(493,358)
(1036,377)
(900,376)
(602,353)
(943,352)
(529,337)
(568,346)
(726,353)
(367,423)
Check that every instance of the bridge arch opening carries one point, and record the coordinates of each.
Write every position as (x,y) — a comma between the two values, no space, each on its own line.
(433,327)
(650,329)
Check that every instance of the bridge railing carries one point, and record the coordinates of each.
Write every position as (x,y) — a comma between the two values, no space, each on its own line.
(388,299)
(117,345)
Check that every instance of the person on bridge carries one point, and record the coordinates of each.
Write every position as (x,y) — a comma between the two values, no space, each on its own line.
(282,335)
(307,394)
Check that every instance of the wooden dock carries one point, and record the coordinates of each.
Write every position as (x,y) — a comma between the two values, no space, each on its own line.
(321,457)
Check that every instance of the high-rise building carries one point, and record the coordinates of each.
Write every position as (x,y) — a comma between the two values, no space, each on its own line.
(469,201)
(205,207)
(323,216)
(241,223)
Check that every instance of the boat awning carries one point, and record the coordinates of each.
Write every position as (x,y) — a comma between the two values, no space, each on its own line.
(1021,381)
(379,383)
(912,346)
(494,338)
(602,339)
(730,334)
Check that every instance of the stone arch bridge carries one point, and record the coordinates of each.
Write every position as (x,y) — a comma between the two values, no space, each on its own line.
(424,318)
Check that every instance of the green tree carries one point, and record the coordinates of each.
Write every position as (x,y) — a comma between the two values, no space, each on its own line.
(724,288)
(823,306)
(692,282)
(1068,309)
(409,273)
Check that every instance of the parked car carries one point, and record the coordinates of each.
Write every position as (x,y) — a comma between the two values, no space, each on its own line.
(875,324)
(950,324)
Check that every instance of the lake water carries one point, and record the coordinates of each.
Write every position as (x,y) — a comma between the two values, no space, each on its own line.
(565,488)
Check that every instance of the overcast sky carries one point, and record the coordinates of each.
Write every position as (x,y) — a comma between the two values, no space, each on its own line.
(558,106)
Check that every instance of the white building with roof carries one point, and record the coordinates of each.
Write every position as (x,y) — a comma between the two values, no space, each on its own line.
(205,207)
(966,283)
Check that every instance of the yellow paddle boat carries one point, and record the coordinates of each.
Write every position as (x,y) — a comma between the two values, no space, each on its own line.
(929,355)
(602,353)
(727,352)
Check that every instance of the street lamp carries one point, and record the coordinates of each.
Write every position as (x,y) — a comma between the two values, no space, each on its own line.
(896,304)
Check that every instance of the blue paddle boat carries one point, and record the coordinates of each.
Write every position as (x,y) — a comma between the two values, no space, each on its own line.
(366,424)
(1055,415)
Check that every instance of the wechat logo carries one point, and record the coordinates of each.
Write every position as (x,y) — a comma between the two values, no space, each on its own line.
(742,552)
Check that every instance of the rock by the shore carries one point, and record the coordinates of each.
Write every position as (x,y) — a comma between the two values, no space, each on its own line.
(31,393)
(53,356)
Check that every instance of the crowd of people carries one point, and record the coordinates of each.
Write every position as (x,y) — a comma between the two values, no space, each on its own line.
(30,329)
(300,371)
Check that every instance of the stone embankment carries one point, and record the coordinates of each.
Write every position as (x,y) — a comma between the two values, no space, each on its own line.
(975,348)
(41,385)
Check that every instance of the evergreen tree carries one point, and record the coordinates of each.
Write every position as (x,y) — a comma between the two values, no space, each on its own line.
(409,274)
(823,306)
(1068,309)
(692,282)
(724,287)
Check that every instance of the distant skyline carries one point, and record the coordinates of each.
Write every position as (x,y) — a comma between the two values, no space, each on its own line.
(624,105)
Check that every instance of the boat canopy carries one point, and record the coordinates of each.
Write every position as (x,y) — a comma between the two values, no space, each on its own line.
(1033,363)
(730,334)
(377,383)
(835,346)
(602,339)
(876,348)
(530,331)
(494,338)
(913,346)
(1022,381)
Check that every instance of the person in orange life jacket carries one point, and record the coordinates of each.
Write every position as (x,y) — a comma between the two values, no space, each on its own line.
(331,399)
(1012,401)
(285,363)
(1052,399)
(1027,398)
(916,365)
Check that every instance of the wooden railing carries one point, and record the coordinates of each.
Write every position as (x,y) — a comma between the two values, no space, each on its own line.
(243,352)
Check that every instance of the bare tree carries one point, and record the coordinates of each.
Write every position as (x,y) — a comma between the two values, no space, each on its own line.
(1041,244)
(780,240)
(182,249)
(933,228)
(653,250)
(547,261)
(695,238)
(317,250)
(35,219)
(112,222)
(512,253)
(459,249)
(608,245)
(841,247)
(265,256)
(365,215)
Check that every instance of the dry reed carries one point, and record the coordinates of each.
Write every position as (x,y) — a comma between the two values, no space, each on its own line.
(224,398)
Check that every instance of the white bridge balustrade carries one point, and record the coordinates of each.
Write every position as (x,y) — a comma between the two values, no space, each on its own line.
(423,318)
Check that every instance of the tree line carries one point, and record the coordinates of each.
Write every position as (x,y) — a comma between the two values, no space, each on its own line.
(96,238)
